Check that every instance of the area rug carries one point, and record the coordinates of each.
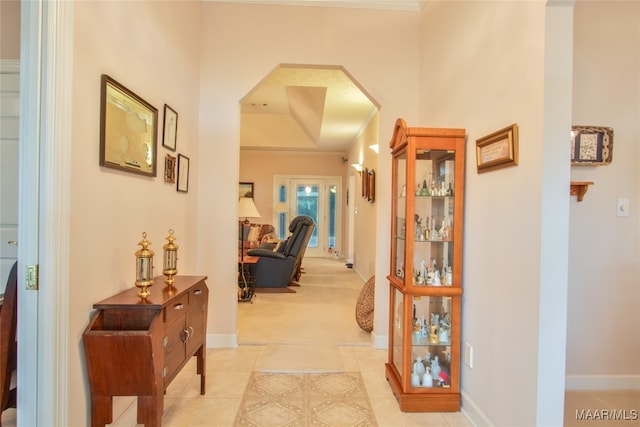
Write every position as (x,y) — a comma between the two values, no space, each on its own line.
(329,399)
(299,358)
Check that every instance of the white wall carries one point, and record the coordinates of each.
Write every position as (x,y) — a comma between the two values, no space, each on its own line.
(483,69)
(242,43)
(603,348)
(153,49)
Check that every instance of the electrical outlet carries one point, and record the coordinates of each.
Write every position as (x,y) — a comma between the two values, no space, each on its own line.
(468,355)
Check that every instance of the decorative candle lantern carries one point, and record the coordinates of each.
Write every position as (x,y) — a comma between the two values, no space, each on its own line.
(170,265)
(144,267)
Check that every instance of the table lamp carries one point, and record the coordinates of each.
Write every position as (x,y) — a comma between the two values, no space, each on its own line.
(246,209)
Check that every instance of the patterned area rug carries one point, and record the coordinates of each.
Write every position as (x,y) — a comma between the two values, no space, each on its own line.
(305,399)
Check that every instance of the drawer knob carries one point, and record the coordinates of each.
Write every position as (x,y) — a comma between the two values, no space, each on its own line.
(178,306)
(198,292)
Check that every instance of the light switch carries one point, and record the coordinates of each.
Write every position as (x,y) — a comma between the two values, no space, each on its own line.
(623,207)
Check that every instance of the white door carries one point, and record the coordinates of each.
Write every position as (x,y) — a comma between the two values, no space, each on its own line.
(9,133)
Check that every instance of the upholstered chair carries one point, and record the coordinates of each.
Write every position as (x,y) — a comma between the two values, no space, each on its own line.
(276,269)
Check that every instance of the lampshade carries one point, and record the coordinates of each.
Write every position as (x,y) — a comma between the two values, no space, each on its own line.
(246,208)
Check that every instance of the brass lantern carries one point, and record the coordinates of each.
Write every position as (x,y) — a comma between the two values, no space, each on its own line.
(170,264)
(144,267)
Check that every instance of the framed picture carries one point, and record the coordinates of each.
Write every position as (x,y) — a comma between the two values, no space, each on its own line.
(170,169)
(245,189)
(591,145)
(498,150)
(183,173)
(128,129)
(170,127)
(365,182)
(371,186)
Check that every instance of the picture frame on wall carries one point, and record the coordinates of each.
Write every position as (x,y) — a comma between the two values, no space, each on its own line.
(128,129)
(591,145)
(371,186)
(245,189)
(183,174)
(170,128)
(170,169)
(498,149)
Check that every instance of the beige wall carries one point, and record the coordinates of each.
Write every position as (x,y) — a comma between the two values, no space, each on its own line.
(9,29)
(153,49)
(604,294)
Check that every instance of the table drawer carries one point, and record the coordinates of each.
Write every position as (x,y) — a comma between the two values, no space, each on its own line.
(176,308)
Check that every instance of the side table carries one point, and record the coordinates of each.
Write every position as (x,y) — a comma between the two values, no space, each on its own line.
(246,280)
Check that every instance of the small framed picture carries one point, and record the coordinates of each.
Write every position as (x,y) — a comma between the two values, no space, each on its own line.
(183,174)
(245,189)
(591,145)
(498,150)
(170,132)
(170,169)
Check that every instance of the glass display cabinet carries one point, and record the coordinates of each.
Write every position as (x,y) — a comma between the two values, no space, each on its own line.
(423,366)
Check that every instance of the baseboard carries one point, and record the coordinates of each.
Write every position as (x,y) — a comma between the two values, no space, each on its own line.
(381,342)
(222,340)
(602,382)
(472,412)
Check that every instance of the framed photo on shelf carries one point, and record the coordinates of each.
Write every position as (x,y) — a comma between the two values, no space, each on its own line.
(183,174)
(170,132)
(591,145)
(245,189)
(498,149)
(128,129)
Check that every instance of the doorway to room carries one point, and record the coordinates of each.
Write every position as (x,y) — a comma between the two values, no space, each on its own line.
(317,197)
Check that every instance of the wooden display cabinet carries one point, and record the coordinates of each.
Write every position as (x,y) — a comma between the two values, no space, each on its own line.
(423,366)
(136,347)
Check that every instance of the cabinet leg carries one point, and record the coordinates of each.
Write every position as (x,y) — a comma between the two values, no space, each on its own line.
(150,410)
(101,410)
(201,357)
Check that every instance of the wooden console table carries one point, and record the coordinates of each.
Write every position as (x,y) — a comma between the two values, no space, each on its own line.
(136,347)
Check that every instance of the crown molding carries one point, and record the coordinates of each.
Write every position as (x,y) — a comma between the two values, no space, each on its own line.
(411,5)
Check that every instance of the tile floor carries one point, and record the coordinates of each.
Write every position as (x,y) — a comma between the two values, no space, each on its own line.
(320,312)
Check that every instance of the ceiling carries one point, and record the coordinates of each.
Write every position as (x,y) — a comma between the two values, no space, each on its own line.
(302,107)
(305,107)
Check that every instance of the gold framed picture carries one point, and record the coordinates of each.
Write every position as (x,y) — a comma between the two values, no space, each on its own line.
(128,129)
(498,149)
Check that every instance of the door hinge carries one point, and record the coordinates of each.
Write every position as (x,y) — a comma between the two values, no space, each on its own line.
(31,282)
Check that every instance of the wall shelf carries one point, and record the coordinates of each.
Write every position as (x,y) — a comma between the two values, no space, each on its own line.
(579,188)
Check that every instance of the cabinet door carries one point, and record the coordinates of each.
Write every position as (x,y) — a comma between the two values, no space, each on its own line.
(399,219)
(431,342)
(197,317)
(434,218)
(174,350)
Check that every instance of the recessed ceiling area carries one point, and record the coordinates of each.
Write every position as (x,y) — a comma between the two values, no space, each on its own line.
(305,107)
